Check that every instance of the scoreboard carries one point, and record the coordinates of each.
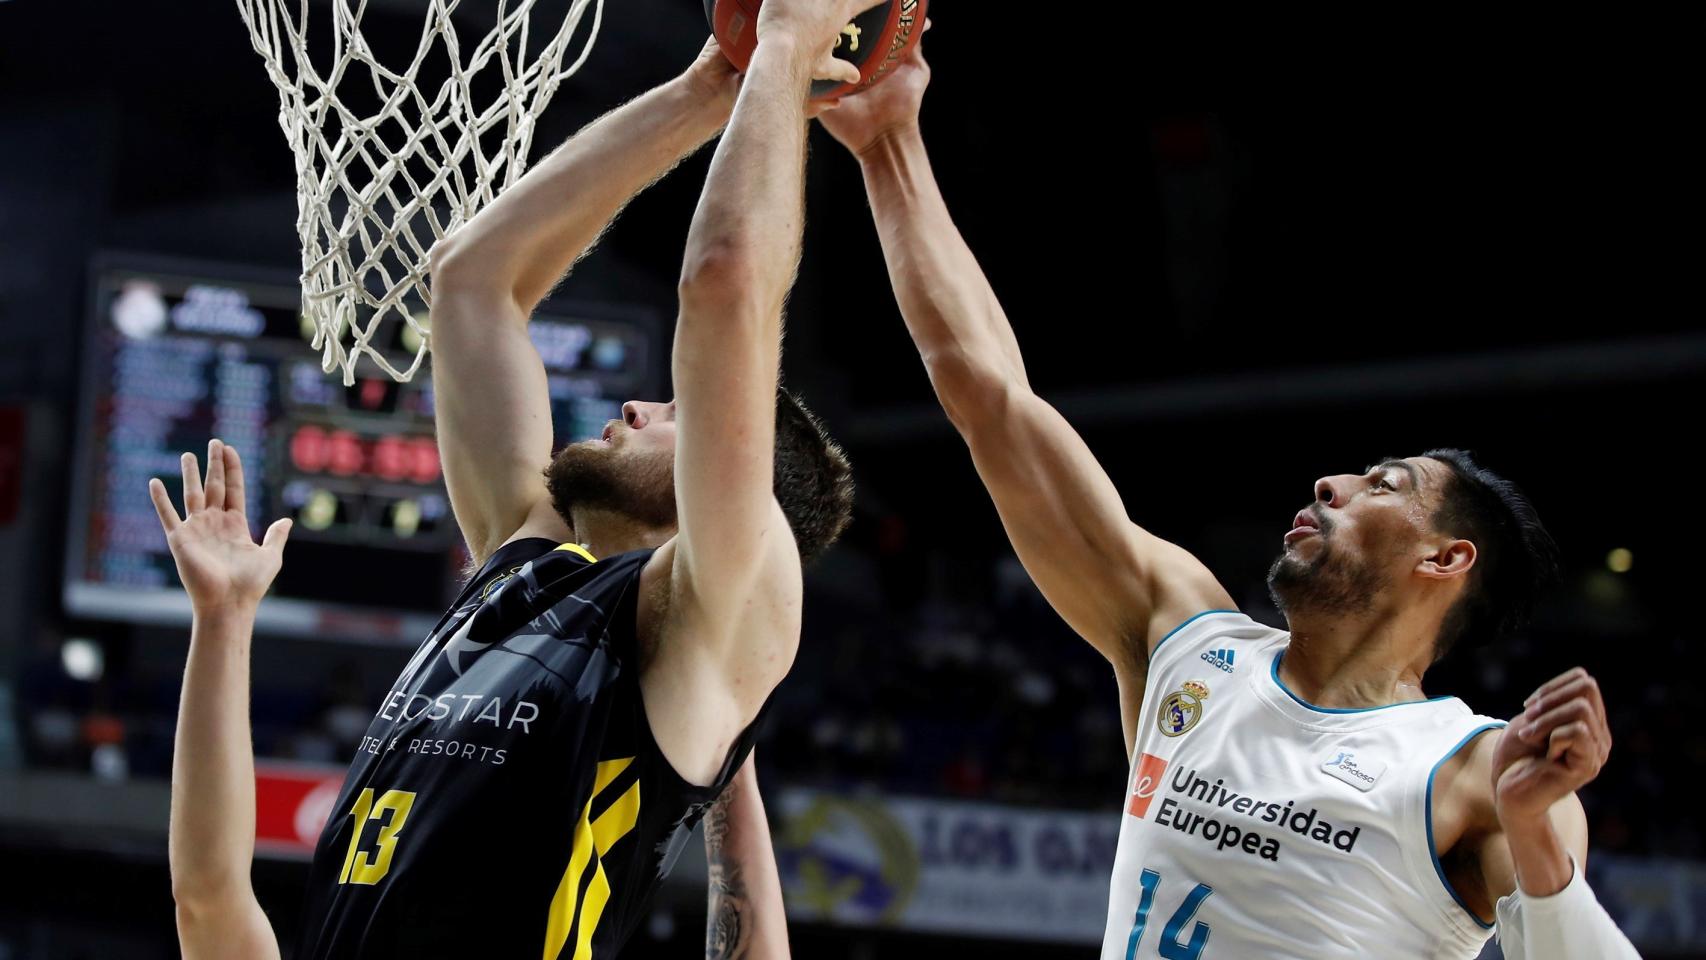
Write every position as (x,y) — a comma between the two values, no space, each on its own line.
(175,354)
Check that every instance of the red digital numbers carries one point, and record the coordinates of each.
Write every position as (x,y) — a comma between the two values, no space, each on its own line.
(344,453)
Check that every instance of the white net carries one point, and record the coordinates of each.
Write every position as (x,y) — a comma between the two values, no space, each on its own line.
(389,161)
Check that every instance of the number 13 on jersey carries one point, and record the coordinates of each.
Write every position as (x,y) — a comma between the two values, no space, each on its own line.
(361,866)
(1169,947)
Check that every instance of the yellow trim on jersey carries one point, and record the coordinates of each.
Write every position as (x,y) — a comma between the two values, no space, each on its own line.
(614,823)
(593,839)
(608,771)
(579,551)
(566,902)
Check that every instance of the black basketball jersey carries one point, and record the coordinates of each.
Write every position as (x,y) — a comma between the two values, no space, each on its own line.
(509,799)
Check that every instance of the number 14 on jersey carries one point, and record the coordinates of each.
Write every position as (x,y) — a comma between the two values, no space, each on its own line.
(1169,947)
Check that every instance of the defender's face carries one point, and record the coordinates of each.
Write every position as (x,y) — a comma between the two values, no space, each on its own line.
(1363,532)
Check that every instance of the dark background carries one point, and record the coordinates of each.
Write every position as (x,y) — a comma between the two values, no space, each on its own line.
(1239,251)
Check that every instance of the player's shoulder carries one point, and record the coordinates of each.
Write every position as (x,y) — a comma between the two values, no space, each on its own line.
(1461,778)
(1474,758)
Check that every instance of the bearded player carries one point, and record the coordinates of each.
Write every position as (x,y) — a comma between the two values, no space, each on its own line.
(539,764)
(212,833)
(1293,793)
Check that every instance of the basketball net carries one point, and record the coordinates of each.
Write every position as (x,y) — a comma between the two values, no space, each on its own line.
(378,185)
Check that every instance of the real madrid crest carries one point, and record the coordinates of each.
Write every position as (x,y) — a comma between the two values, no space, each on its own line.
(1181,709)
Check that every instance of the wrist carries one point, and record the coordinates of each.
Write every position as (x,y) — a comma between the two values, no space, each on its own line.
(781,44)
(1543,863)
(234,611)
(890,146)
(704,94)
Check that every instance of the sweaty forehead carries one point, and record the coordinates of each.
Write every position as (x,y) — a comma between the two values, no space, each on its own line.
(1430,475)
(1425,473)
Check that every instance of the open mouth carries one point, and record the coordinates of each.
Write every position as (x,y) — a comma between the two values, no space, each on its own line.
(1305,524)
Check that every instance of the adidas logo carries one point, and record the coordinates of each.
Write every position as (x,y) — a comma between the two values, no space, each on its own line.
(1220,658)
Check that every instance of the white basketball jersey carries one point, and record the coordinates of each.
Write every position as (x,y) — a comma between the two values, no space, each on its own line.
(1258,826)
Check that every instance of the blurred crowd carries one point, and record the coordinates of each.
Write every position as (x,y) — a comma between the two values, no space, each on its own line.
(960,682)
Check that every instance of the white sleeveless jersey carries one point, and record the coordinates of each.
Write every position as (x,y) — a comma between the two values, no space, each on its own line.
(1259,826)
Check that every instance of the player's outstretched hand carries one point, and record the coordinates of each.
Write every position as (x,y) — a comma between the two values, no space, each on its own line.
(860,122)
(218,560)
(1553,748)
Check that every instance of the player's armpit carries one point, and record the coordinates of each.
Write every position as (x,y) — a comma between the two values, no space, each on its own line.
(712,668)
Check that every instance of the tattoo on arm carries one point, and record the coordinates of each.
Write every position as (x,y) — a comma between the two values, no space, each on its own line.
(727,935)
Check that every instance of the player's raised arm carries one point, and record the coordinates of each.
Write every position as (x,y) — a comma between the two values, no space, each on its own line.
(212,834)
(736,569)
(493,409)
(1118,586)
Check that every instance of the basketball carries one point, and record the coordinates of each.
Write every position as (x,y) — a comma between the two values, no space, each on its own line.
(873,42)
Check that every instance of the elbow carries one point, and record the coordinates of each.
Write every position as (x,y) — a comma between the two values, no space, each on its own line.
(720,273)
(457,267)
(195,896)
(448,263)
(973,390)
(189,913)
(464,285)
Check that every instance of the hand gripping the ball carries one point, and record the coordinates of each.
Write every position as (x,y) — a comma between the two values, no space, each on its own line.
(815,25)
(872,41)
(859,123)
(716,77)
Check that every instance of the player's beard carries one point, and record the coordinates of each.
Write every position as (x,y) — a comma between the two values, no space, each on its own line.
(1328,583)
(597,476)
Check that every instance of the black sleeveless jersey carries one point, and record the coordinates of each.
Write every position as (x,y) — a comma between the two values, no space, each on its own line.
(509,799)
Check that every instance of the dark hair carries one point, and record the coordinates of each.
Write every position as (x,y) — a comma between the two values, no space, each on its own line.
(814,480)
(1515,558)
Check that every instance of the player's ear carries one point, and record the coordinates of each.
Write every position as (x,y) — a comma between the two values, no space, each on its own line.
(1451,558)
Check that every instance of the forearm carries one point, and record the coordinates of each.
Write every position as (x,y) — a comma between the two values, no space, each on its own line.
(1568,924)
(744,244)
(212,834)
(947,302)
(527,238)
(746,918)
(741,254)
(1542,860)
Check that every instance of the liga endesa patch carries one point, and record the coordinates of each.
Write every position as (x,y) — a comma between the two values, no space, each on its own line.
(1305,822)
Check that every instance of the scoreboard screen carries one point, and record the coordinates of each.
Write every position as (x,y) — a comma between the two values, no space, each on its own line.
(175,354)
